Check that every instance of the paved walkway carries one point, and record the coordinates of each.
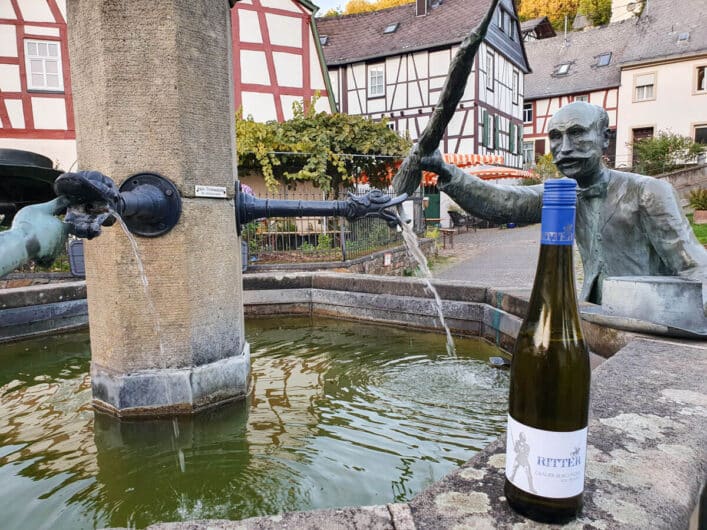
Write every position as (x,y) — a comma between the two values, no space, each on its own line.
(503,258)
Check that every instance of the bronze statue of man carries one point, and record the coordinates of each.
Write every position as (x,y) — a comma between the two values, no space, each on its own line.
(627,224)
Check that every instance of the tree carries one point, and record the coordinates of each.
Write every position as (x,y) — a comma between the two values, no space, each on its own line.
(554,10)
(597,11)
(664,152)
(329,150)
(362,6)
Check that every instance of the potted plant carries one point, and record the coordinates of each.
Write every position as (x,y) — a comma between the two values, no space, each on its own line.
(698,201)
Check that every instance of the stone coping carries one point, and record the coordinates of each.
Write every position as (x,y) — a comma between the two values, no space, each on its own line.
(647,452)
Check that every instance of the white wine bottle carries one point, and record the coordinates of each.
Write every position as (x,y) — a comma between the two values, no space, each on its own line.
(549,389)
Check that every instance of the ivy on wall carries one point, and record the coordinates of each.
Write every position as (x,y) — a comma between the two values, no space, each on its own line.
(328,150)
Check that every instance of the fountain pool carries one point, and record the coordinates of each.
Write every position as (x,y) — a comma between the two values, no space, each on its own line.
(341,414)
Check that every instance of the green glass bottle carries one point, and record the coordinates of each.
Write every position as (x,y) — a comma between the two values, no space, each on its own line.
(550,373)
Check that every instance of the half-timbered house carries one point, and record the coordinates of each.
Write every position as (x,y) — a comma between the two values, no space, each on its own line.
(392,64)
(277,58)
(578,66)
(36,111)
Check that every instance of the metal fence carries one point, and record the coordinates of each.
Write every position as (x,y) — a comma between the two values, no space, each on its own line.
(318,239)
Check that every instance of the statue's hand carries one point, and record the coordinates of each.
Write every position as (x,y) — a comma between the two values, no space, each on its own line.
(436,164)
(93,200)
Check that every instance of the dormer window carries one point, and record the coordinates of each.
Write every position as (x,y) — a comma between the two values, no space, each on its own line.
(562,69)
(684,37)
(391,28)
(604,59)
(323,40)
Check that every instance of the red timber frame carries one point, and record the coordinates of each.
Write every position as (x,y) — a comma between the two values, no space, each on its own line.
(29,131)
(306,92)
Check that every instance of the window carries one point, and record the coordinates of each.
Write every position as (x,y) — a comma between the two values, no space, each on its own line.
(43,61)
(376,81)
(562,69)
(604,59)
(391,125)
(391,28)
(582,97)
(527,112)
(516,87)
(701,134)
(701,85)
(683,37)
(528,153)
(323,40)
(489,131)
(489,71)
(644,87)
(499,18)
(510,26)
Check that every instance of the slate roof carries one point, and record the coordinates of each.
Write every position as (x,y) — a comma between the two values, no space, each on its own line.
(659,26)
(580,50)
(353,38)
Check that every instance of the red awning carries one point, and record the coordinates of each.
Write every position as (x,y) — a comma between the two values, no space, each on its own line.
(479,165)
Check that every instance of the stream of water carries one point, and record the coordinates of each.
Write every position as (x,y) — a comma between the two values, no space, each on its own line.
(413,246)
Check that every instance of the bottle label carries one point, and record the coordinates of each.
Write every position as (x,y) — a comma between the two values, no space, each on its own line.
(545,463)
(557,226)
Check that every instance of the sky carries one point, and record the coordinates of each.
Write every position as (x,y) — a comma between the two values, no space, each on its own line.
(326,5)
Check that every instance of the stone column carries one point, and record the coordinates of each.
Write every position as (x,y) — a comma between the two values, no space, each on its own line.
(153,92)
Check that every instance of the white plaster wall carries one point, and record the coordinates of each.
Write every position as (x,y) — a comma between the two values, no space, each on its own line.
(288,67)
(322,105)
(284,30)
(335,86)
(287,5)
(286,102)
(252,70)
(316,79)
(8,41)
(439,62)
(61,4)
(260,106)
(39,30)
(61,152)
(49,113)
(6,10)
(14,112)
(35,11)
(248,26)
(675,108)
(10,78)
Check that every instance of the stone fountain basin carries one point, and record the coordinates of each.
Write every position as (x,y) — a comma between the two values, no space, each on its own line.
(647,446)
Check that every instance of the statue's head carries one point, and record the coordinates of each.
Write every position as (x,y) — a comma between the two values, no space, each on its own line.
(579,134)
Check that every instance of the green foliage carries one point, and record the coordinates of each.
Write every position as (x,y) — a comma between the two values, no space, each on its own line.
(324,242)
(363,6)
(318,148)
(699,230)
(664,152)
(554,10)
(698,199)
(531,181)
(597,11)
(432,232)
(544,168)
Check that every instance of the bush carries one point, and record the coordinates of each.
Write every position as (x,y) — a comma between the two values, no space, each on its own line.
(698,199)
(544,168)
(664,152)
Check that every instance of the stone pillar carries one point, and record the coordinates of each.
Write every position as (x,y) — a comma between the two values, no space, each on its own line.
(153,92)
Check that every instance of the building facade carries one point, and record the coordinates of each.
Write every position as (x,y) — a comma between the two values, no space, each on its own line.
(36,111)
(392,64)
(277,59)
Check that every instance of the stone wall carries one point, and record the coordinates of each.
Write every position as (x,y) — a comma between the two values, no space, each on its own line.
(686,180)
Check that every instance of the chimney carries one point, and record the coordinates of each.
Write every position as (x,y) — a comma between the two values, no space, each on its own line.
(421,8)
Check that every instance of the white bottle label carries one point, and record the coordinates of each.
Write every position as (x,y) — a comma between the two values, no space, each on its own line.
(545,463)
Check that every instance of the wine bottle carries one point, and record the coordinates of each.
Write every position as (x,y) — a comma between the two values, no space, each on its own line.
(549,384)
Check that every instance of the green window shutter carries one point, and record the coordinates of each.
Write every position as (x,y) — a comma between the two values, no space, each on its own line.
(512,138)
(519,130)
(496,122)
(485,135)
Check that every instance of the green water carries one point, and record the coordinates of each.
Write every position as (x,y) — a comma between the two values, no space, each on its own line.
(341,414)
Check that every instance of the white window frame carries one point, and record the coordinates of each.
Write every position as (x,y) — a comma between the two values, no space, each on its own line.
(644,91)
(516,86)
(528,153)
(582,97)
(376,81)
(38,64)
(696,127)
(490,70)
(527,107)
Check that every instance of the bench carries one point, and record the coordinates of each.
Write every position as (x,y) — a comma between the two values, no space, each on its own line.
(460,220)
(447,233)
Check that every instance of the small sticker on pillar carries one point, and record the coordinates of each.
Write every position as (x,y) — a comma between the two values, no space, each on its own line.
(215,192)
